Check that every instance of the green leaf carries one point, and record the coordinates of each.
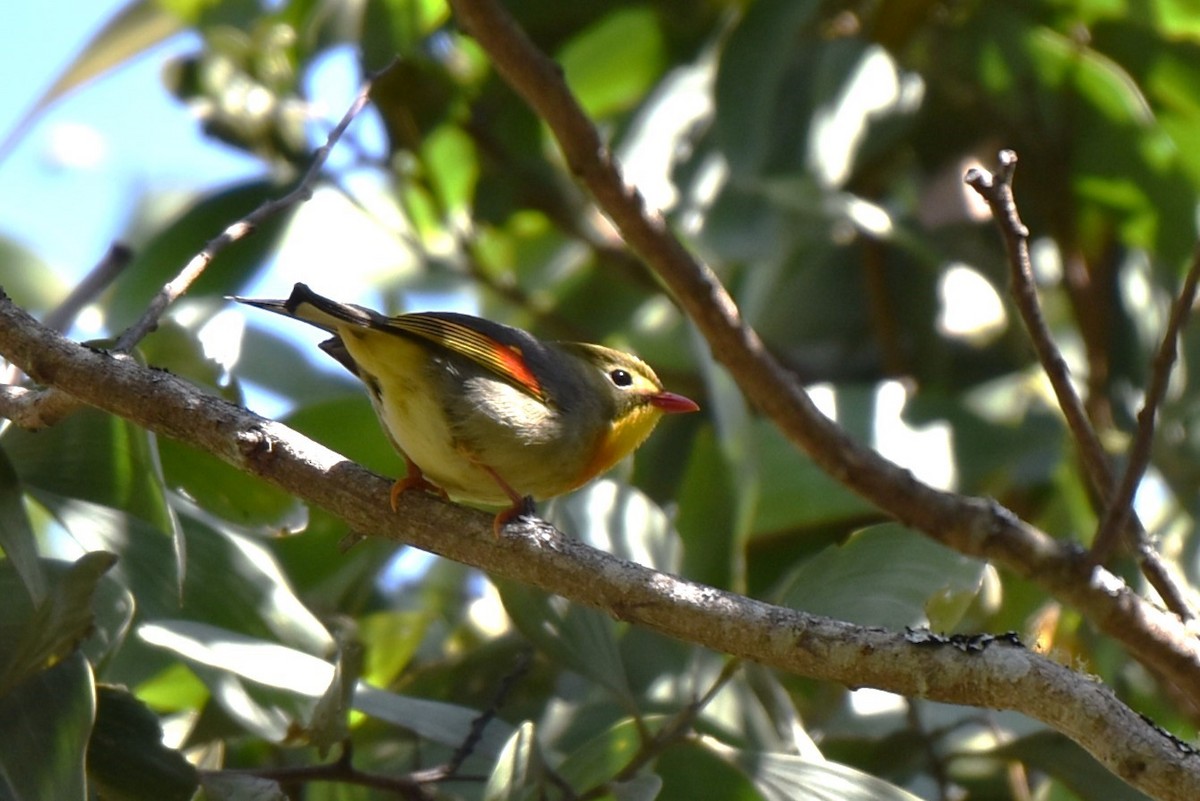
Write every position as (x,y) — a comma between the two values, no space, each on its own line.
(44,727)
(126,756)
(690,770)
(600,759)
(885,575)
(612,64)
(17,539)
(136,28)
(233,581)
(783,777)
(349,426)
(96,457)
(1058,756)
(519,770)
(580,638)
(173,244)
(620,519)
(275,667)
(59,624)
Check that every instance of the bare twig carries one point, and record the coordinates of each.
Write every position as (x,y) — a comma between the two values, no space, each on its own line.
(450,769)
(671,731)
(45,408)
(60,318)
(247,225)
(997,191)
(341,770)
(117,258)
(1120,505)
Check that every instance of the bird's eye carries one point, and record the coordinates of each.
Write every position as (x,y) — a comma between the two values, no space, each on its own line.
(621,378)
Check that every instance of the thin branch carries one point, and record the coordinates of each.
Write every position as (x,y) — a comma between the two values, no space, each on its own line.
(997,191)
(670,732)
(997,674)
(450,769)
(46,408)
(196,266)
(1121,504)
(341,770)
(114,261)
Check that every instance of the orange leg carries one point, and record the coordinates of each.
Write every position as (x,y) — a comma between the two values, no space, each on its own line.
(414,479)
(521,504)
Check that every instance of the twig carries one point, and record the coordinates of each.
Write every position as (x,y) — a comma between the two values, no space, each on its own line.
(244,227)
(450,769)
(113,263)
(45,408)
(673,730)
(115,260)
(1117,513)
(997,191)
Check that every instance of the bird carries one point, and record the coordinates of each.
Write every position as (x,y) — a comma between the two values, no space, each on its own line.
(484,412)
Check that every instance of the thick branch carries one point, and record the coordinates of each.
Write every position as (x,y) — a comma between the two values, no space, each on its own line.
(999,675)
(972,526)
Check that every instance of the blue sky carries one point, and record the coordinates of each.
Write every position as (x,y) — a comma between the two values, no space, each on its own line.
(65,187)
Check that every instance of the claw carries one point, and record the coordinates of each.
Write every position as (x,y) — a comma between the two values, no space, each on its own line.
(414,479)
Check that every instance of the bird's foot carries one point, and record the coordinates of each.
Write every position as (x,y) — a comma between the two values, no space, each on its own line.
(521,508)
(414,480)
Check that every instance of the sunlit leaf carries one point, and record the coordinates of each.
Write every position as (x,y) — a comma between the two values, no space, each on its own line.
(886,575)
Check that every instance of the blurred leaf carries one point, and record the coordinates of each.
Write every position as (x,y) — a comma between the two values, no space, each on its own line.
(604,755)
(229,493)
(134,29)
(612,64)
(232,581)
(582,639)
(172,245)
(783,777)
(1057,756)
(269,665)
(287,368)
(691,770)
(794,492)
(391,639)
(518,771)
(349,426)
(17,539)
(225,786)
(886,575)
(619,519)
(27,279)
(59,624)
(126,755)
(329,724)
(755,79)
(440,722)
(44,725)
(96,457)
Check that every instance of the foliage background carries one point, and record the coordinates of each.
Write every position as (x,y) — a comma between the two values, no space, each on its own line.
(812,153)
